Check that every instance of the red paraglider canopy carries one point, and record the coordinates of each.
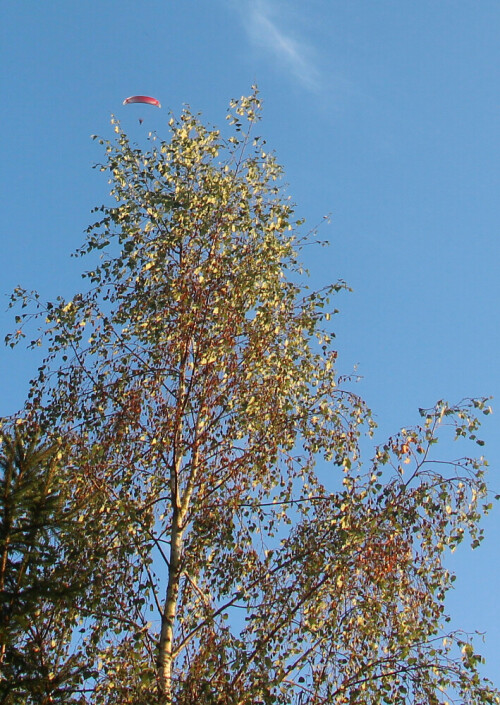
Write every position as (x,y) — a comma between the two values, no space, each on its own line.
(142,99)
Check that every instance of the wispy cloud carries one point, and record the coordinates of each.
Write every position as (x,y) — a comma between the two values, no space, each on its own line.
(266,24)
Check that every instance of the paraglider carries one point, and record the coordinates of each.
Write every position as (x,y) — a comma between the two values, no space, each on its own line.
(142,99)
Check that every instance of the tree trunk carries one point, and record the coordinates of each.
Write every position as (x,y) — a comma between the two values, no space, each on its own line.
(165,660)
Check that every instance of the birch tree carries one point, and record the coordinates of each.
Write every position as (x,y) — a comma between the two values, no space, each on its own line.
(250,557)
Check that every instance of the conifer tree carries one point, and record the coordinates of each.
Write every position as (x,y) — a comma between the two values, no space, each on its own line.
(42,573)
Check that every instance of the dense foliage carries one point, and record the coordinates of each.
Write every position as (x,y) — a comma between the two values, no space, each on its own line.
(186,550)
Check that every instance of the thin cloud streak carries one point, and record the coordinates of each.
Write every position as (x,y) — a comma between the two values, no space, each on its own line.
(293,54)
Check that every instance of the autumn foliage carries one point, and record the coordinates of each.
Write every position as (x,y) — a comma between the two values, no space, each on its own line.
(236,550)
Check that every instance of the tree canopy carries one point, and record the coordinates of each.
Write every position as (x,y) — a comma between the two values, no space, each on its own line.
(223,542)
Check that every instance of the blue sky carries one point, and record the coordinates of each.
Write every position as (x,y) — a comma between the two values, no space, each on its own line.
(384,114)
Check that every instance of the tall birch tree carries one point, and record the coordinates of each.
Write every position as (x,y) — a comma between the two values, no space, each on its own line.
(250,557)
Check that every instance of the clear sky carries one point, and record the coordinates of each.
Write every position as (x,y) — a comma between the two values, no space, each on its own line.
(384,114)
